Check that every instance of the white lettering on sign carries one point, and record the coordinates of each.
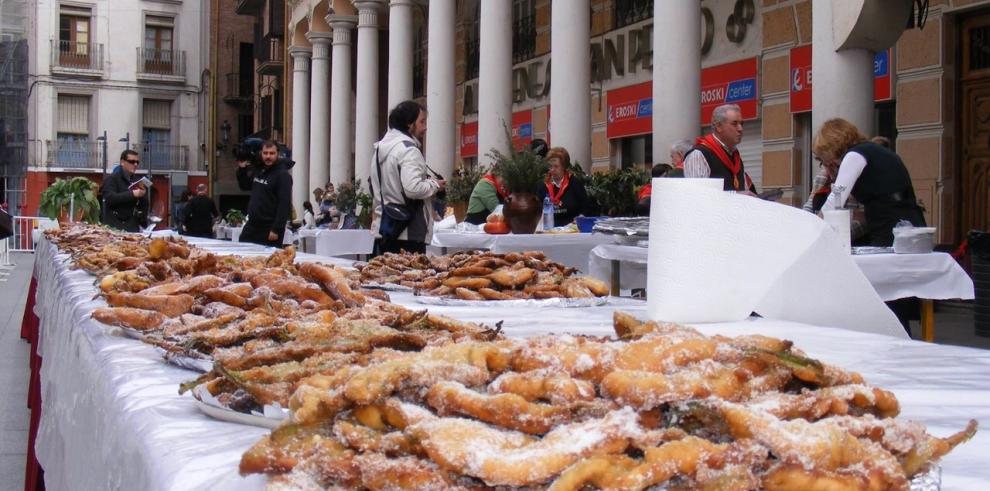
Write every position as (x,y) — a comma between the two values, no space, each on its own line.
(626,111)
(713,95)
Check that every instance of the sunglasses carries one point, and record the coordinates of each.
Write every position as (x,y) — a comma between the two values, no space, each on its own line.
(135,162)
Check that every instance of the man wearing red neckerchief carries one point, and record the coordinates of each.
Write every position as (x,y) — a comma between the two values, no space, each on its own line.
(716,155)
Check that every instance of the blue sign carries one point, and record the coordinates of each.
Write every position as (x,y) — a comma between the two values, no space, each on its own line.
(526,130)
(741,90)
(645,108)
(881,65)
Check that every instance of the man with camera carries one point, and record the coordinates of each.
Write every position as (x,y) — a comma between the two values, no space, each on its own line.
(125,196)
(271,196)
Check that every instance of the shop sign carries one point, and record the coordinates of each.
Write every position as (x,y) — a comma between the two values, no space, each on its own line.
(801,78)
(469,139)
(630,110)
(732,83)
(522,129)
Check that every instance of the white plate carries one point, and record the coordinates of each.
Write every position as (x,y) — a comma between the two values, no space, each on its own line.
(390,287)
(273,417)
(200,365)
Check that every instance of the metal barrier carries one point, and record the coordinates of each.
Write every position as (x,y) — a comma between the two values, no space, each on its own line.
(27,231)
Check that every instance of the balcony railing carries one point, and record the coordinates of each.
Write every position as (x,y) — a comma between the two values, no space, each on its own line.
(524,39)
(74,154)
(240,88)
(77,56)
(161,62)
(155,156)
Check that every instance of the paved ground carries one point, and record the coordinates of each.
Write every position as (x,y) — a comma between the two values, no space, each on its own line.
(953,325)
(13,372)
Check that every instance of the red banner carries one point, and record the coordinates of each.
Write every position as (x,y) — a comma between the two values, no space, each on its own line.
(522,129)
(732,83)
(469,139)
(630,111)
(800,78)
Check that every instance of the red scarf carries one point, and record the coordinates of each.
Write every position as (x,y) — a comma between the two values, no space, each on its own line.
(734,164)
(502,194)
(555,197)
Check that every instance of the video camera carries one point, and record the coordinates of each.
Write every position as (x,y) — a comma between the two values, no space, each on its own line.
(249,150)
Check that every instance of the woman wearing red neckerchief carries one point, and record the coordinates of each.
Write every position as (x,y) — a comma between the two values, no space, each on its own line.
(565,190)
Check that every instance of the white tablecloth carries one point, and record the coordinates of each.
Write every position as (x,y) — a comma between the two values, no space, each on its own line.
(934,276)
(568,249)
(112,417)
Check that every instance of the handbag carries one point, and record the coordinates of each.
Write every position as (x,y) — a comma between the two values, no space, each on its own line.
(395,217)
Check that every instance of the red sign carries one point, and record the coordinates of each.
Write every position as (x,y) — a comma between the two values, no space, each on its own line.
(630,111)
(732,83)
(469,139)
(522,129)
(800,78)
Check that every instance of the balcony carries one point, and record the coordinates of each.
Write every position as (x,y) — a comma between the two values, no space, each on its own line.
(77,59)
(249,7)
(74,154)
(161,65)
(239,91)
(160,157)
(270,55)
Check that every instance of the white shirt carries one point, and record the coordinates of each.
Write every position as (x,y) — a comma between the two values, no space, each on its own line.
(850,169)
(695,164)
(308,219)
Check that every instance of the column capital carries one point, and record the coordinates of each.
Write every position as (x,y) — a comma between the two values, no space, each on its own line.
(321,44)
(300,52)
(368,12)
(342,25)
(401,3)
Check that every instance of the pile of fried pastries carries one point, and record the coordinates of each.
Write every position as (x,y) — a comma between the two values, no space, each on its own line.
(482,275)
(383,397)
(658,405)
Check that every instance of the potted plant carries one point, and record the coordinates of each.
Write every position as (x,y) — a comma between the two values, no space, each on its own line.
(615,190)
(365,203)
(78,193)
(235,217)
(460,187)
(523,171)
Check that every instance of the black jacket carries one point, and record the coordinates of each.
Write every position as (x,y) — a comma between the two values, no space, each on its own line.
(574,202)
(198,215)
(271,194)
(121,210)
(885,190)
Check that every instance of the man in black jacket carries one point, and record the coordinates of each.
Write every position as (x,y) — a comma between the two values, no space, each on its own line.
(271,197)
(199,214)
(124,207)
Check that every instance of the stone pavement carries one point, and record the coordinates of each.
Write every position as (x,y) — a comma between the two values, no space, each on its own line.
(953,325)
(14,371)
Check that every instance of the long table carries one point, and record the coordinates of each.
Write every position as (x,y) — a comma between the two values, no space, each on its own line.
(568,249)
(112,418)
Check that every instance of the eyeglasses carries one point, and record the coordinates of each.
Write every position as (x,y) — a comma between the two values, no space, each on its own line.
(135,162)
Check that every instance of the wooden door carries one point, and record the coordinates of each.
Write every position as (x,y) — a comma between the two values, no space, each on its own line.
(975,124)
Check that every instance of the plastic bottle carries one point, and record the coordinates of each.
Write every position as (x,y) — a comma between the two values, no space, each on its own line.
(547,214)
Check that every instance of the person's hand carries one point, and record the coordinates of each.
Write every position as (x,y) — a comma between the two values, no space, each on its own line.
(242,164)
(442,183)
(138,192)
(272,236)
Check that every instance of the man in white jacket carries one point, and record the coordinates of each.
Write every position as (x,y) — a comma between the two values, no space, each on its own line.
(400,176)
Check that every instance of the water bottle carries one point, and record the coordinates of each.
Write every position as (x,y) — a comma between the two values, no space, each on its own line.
(547,214)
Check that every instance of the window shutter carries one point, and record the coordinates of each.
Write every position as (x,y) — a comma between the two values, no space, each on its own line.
(73,114)
(157,114)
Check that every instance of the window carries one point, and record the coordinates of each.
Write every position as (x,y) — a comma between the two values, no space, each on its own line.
(74,37)
(472,63)
(631,11)
(72,145)
(523,30)
(419,64)
(158,53)
(157,133)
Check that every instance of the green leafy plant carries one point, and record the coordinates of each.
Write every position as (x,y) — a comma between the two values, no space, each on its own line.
(79,192)
(235,217)
(615,190)
(523,171)
(347,192)
(461,185)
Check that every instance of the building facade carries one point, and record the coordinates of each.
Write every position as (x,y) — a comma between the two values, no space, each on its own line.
(909,71)
(111,75)
(14,85)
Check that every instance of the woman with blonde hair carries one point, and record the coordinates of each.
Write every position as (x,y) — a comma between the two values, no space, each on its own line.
(566,191)
(872,174)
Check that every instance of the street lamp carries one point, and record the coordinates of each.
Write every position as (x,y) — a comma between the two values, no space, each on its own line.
(224,134)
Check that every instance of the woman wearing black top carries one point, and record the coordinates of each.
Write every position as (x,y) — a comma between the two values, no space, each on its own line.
(566,191)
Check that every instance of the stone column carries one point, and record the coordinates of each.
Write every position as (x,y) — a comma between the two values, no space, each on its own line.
(319,132)
(495,79)
(441,136)
(400,52)
(300,125)
(843,80)
(676,74)
(570,75)
(341,134)
(366,125)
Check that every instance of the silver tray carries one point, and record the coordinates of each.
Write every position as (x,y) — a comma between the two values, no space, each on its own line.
(272,417)
(201,365)
(634,226)
(542,302)
(389,287)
